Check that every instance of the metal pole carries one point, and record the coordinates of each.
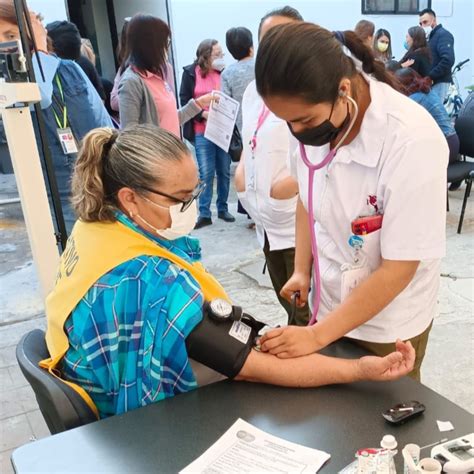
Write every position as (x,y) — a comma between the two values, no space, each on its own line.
(22,13)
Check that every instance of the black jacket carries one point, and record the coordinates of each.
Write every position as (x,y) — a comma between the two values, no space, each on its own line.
(422,58)
(186,93)
(441,43)
(92,74)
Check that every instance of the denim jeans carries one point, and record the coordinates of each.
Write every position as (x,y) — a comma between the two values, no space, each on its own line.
(441,89)
(212,160)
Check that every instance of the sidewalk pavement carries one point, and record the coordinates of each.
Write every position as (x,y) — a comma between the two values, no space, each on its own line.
(230,252)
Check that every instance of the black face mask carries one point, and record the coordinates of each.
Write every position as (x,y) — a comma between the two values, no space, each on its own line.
(323,133)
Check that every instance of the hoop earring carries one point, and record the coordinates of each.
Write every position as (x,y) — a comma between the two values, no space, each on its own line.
(130,213)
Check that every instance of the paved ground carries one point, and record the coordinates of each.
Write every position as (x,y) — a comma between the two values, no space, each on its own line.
(232,254)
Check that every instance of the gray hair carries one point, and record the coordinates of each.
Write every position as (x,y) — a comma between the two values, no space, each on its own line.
(109,160)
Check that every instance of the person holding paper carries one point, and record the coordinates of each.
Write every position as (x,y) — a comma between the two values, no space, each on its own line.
(131,289)
(199,78)
(371,216)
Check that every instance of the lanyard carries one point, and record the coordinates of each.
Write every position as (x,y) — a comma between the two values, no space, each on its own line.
(314,244)
(62,105)
(261,118)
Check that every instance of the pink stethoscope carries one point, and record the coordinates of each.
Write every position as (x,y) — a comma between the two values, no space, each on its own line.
(312,168)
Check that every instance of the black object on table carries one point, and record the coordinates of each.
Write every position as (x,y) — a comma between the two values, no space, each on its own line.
(169,435)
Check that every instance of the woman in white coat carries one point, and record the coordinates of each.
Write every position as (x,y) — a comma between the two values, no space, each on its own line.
(371,215)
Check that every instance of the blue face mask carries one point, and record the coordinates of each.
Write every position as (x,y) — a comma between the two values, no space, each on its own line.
(406,45)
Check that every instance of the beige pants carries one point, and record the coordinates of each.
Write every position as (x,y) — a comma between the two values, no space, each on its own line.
(382,349)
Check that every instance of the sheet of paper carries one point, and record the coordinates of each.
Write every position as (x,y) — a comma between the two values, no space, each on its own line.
(243,448)
(221,120)
(445,426)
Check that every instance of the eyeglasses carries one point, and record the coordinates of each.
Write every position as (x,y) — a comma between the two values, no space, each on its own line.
(185,203)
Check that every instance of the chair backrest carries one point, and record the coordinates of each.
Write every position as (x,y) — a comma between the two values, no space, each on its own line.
(61,406)
(465,126)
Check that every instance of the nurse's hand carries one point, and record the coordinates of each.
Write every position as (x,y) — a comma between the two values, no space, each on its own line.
(391,367)
(290,341)
(298,282)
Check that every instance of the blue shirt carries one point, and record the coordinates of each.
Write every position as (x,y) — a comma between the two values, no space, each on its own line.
(127,334)
(432,103)
(85,111)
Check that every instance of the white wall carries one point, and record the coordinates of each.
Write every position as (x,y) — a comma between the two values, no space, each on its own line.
(52,10)
(194,20)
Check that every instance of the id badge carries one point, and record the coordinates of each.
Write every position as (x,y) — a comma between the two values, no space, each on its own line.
(250,178)
(67,140)
(352,277)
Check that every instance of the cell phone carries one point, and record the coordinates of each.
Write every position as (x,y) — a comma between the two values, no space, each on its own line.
(366,225)
(403,412)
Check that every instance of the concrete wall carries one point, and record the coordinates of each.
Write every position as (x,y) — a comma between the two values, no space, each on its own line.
(126,8)
(195,20)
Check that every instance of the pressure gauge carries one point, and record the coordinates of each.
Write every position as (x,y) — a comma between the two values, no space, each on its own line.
(220,309)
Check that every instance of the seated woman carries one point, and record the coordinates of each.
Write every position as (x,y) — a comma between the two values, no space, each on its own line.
(419,89)
(131,290)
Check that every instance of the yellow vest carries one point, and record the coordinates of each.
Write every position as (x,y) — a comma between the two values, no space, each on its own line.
(92,250)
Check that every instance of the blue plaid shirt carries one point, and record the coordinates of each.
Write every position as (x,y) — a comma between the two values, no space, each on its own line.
(127,334)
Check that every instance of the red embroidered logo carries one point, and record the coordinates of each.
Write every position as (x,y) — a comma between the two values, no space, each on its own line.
(372,201)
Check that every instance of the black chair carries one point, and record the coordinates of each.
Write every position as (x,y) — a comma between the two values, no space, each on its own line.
(62,407)
(464,170)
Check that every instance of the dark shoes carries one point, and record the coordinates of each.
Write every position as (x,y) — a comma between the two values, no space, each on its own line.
(226,216)
(455,185)
(203,222)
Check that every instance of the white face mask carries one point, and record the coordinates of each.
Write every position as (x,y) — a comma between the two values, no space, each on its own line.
(218,64)
(427,30)
(182,223)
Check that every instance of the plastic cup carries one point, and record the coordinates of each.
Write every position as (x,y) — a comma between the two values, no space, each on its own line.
(413,451)
(429,465)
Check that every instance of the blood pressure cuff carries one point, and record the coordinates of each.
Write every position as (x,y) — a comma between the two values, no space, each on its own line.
(224,345)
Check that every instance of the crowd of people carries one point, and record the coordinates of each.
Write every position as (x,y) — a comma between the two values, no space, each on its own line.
(357,249)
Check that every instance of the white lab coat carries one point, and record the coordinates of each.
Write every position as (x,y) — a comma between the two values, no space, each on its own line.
(263,168)
(396,165)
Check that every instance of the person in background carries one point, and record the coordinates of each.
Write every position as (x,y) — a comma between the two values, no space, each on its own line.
(383,46)
(200,78)
(66,42)
(118,323)
(236,77)
(68,101)
(365,31)
(419,89)
(418,55)
(87,50)
(144,94)
(441,43)
(392,66)
(264,184)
